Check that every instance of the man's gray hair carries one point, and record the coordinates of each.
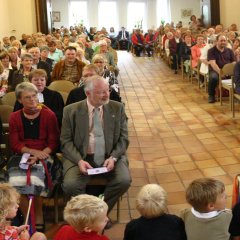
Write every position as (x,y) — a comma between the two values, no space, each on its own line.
(91,81)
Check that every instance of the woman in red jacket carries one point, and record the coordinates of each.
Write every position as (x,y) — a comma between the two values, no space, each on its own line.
(34,136)
(138,42)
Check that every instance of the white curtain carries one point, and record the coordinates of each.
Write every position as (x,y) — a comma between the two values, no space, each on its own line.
(163,11)
(136,15)
(107,14)
(78,13)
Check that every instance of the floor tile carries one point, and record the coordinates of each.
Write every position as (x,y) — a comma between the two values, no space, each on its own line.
(213,171)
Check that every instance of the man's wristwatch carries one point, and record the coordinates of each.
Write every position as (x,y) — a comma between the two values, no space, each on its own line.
(114,159)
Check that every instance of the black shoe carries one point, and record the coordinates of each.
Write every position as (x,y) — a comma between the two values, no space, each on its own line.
(108,225)
(211,99)
(175,72)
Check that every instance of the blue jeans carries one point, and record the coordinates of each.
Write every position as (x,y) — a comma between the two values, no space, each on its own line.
(213,82)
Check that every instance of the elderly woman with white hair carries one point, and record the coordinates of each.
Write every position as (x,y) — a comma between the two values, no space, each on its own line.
(103,49)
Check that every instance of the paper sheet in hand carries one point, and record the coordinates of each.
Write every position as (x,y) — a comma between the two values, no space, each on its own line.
(94,171)
(23,163)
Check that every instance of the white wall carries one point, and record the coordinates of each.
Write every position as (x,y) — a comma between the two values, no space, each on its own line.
(229,13)
(17,17)
(62,7)
(20,15)
(176,7)
(4,19)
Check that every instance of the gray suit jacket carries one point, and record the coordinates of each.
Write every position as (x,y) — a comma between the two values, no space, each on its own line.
(75,131)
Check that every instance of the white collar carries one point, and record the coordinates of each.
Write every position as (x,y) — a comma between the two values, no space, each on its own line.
(206,215)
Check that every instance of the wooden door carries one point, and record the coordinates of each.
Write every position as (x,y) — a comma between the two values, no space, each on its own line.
(210,12)
(43,14)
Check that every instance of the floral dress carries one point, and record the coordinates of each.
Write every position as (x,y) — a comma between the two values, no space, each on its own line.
(9,233)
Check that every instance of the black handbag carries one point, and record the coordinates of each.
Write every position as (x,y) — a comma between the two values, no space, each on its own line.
(3,161)
(56,172)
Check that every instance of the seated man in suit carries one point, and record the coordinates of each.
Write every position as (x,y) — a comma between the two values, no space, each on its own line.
(123,39)
(95,134)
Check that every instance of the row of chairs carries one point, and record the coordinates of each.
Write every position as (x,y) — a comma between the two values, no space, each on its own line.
(225,85)
(61,86)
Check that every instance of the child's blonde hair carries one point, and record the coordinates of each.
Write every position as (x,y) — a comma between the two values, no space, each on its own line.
(7,194)
(82,211)
(151,201)
(203,191)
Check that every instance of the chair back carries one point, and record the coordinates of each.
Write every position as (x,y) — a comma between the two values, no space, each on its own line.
(228,69)
(9,99)
(61,85)
(64,96)
(5,111)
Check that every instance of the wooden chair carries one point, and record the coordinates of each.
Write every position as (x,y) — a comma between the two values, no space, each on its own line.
(156,49)
(64,96)
(195,70)
(5,111)
(100,183)
(95,187)
(62,85)
(235,96)
(183,70)
(205,78)
(227,70)
(9,99)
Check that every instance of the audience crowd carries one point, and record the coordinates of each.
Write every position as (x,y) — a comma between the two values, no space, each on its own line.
(88,60)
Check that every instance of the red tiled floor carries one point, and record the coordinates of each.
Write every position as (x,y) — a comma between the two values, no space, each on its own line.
(175,135)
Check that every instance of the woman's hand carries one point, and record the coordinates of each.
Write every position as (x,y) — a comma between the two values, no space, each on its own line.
(39,154)
(22,228)
(205,61)
(32,160)
(23,232)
